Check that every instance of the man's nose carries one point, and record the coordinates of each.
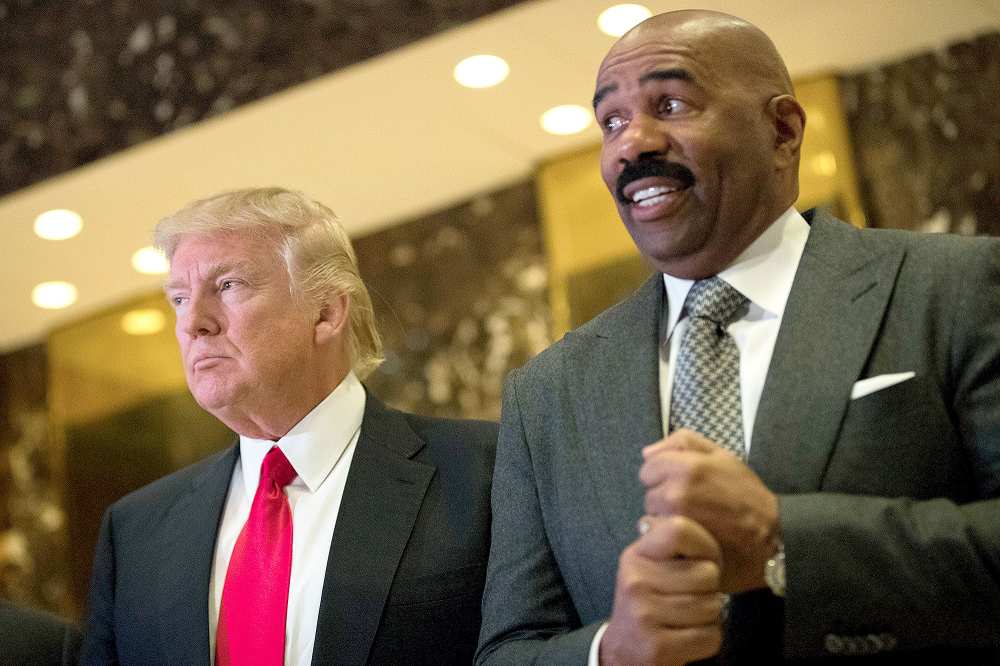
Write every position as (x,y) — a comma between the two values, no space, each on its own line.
(199,318)
(644,137)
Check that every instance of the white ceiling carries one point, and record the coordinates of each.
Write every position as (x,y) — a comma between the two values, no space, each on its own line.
(395,136)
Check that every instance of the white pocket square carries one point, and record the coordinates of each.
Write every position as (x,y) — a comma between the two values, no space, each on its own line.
(872,384)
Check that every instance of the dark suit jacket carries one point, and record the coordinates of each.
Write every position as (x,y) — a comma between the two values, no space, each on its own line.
(890,504)
(406,566)
(33,638)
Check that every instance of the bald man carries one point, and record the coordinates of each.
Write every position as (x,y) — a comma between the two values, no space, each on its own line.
(786,444)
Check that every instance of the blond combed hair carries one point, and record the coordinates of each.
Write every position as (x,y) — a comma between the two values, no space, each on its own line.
(309,238)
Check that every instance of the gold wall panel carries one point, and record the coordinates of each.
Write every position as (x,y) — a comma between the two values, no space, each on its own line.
(580,226)
(96,368)
(827,175)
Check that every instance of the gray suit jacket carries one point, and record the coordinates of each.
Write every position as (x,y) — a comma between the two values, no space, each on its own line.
(406,567)
(890,504)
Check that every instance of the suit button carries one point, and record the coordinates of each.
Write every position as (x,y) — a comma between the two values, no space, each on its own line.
(833,643)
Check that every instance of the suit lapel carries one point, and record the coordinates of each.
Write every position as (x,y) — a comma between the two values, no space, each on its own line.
(186,549)
(614,379)
(382,497)
(833,314)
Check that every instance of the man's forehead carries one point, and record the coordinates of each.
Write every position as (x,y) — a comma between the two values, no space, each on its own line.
(705,39)
(211,267)
(647,62)
(223,236)
(644,57)
(717,50)
(656,41)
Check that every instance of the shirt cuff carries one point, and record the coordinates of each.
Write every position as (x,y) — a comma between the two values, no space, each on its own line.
(595,647)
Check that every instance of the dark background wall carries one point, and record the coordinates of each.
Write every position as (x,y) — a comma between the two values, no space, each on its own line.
(34,567)
(926,133)
(81,80)
(462,299)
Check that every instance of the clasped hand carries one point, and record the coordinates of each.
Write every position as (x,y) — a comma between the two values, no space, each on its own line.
(709,529)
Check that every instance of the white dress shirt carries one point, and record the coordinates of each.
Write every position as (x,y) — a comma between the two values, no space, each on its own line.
(320,448)
(764,273)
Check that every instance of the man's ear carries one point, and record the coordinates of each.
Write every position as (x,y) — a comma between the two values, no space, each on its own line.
(332,318)
(789,120)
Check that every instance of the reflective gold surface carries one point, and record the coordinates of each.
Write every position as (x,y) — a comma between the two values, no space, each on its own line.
(96,368)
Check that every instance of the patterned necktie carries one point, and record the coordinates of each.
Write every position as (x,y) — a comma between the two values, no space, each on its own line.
(255,595)
(706,390)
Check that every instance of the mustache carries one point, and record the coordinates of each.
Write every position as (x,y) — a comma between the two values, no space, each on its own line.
(647,168)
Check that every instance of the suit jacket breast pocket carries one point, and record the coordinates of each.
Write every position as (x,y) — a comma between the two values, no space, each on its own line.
(431,619)
(439,586)
(899,442)
(893,400)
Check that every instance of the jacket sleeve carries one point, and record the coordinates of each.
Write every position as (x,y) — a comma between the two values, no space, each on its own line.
(99,637)
(528,615)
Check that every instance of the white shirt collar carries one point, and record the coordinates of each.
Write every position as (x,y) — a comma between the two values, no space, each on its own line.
(314,445)
(763,272)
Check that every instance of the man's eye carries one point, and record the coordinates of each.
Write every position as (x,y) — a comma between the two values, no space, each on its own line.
(614,123)
(671,105)
(177,300)
(227,284)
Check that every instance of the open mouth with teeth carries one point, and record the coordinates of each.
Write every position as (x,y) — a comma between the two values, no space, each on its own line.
(651,196)
(655,199)
(651,188)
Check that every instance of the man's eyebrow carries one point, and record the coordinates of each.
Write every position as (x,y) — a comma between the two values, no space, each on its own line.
(213,272)
(603,92)
(674,73)
(678,73)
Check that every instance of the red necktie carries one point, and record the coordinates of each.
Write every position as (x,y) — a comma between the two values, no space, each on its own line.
(251,629)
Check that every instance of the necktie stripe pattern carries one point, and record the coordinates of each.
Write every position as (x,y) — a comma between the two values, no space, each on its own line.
(254,606)
(706,388)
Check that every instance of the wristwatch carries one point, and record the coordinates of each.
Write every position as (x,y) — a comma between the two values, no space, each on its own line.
(774,570)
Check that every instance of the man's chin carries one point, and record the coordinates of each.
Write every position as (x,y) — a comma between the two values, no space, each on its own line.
(212,400)
(686,266)
(678,255)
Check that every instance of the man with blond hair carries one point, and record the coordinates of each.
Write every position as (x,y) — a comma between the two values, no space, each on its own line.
(336,530)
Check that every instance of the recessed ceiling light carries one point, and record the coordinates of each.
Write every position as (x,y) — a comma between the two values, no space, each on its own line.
(566,119)
(481,71)
(150,261)
(618,20)
(146,321)
(54,295)
(58,224)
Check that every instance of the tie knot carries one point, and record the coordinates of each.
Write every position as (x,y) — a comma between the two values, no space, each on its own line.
(277,468)
(714,300)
